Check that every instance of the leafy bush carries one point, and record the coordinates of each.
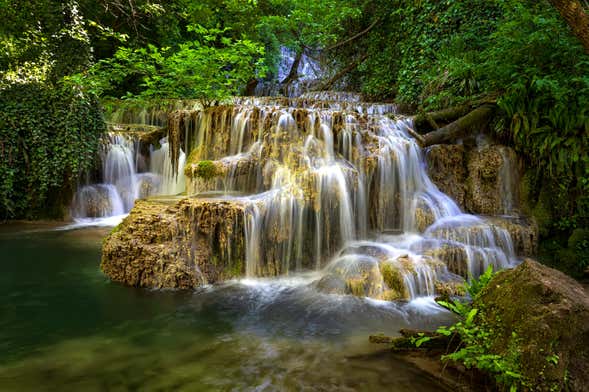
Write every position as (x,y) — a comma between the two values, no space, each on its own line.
(48,137)
(210,69)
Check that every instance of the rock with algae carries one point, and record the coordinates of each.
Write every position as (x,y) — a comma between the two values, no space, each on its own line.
(367,277)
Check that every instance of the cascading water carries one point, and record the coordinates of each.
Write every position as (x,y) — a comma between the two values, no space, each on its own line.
(308,72)
(336,186)
(125,178)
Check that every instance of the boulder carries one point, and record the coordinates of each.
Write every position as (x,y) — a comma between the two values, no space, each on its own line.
(543,316)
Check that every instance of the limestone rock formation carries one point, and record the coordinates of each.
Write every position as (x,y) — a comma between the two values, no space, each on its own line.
(523,231)
(176,244)
(447,169)
(543,315)
(490,189)
(481,180)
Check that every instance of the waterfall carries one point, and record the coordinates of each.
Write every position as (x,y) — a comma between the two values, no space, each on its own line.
(125,179)
(160,163)
(322,182)
(333,184)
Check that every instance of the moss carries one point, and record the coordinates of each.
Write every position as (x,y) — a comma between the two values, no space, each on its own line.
(526,192)
(579,238)
(392,295)
(193,157)
(117,228)
(543,216)
(206,170)
(393,278)
(355,286)
(532,313)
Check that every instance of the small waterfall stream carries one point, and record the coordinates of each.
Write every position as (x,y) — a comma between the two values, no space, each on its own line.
(125,178)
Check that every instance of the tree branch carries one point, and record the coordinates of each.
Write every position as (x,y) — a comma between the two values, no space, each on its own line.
(329,84)
(473,121)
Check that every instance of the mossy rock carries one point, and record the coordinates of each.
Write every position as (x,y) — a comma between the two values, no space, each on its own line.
(355,286)
(206,170)
(446,290)
(541,316)
(183,244)
(392,276)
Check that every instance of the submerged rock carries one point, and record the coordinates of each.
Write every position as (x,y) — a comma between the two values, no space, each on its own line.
(183,244)
(541,315)
(390,279)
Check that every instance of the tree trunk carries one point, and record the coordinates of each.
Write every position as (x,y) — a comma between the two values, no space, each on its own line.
(424,122)
(294,69)
(406,342)
(473,121)
(573,12)
(444,116)
(250,87)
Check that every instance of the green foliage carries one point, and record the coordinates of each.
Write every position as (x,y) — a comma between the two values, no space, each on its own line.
(49,135)
(210,69)
(476,285)
(476,336)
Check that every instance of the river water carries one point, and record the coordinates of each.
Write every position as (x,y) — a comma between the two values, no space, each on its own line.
(65,327)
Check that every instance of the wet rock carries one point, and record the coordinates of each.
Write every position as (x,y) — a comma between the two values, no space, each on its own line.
(423,218)
(393,277)
(93,201)
(238,172)
(446,290)
(481,180)
(177,244)
(367,277)
(490,188)
(453,256)
(362,279)
(523,231)
(447,169)
(331,284)
(197,185)
(541,315)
